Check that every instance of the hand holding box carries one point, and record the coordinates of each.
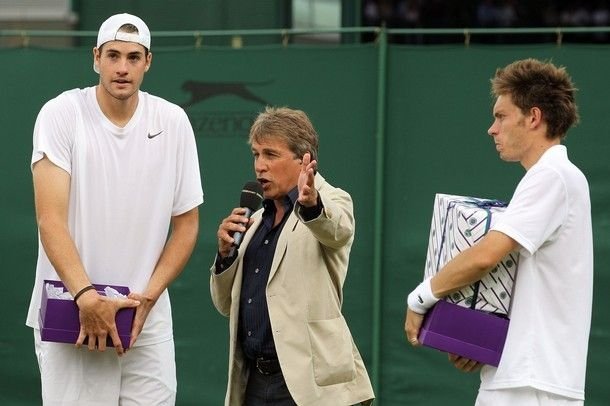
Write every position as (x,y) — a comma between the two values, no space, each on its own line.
(59,321)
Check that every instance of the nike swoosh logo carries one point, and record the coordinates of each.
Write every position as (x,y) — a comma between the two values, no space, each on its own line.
(154,135)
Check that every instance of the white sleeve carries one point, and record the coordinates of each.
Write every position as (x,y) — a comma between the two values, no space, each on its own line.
(188,193)
(54,133)
(536,210)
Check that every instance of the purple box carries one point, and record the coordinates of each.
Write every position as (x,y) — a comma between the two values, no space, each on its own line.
(59,322)
(470,333)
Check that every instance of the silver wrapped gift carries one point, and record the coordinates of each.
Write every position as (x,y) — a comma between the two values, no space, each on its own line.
(458,222)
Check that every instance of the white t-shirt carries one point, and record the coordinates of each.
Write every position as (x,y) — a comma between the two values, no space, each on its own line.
(550,217)
(126,184)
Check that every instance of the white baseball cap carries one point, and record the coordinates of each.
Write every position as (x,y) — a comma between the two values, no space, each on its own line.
(109,31)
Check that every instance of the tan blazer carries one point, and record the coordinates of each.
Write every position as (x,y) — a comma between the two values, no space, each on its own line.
(319,359)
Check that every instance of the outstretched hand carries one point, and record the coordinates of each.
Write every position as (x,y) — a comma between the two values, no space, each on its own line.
(308,195)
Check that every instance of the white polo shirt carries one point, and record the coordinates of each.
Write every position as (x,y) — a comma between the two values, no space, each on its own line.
(549,215)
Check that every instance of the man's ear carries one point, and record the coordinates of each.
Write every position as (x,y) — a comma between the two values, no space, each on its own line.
(96,58)
(535,117)
(148,61)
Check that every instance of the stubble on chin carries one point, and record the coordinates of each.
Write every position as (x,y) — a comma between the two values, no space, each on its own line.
(119,95)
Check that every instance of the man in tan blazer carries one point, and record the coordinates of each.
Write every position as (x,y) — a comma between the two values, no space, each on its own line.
(282,290)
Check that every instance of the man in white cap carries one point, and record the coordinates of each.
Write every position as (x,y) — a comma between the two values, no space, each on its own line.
(114,169)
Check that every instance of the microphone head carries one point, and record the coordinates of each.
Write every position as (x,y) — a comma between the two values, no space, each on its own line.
(251,196)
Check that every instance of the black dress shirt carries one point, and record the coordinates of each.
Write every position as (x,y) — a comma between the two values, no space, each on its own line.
(254,325)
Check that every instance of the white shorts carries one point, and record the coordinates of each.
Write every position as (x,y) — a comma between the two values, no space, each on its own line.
(525,396)
(144,375)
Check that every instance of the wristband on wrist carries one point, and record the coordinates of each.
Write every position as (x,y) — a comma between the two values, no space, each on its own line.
(83,290)
(422,298)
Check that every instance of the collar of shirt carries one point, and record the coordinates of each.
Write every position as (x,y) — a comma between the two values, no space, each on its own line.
(269,206)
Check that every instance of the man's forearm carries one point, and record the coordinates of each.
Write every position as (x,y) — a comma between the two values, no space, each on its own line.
(176,253)
(63,255)
(51,197)
(461,271)
(472,264)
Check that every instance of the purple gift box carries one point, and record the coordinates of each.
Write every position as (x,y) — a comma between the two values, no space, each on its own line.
(473,321)
(473,334)
(59,322)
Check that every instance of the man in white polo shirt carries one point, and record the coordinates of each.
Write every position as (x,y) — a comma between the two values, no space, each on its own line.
(549,221)
(115,170)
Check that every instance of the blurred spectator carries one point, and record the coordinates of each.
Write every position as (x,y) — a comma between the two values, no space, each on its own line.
(409,16)
(575,15)
(378,13)
(488,14)
(507,14)
(600,17)
(408,13)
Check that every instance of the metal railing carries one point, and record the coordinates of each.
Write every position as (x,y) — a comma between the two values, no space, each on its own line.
(286,35)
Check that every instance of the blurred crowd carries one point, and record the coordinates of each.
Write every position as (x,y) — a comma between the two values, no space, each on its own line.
(489,14)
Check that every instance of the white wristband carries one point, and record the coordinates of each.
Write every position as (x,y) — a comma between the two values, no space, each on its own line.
(422,298)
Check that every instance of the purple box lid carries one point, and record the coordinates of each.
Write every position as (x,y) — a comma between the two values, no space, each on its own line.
(470,333)
(59,320)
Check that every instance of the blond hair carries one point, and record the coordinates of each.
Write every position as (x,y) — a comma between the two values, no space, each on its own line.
(291,126)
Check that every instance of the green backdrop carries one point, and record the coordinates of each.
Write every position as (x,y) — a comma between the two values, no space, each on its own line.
(435,111)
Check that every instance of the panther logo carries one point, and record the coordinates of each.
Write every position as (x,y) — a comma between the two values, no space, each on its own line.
(204,90)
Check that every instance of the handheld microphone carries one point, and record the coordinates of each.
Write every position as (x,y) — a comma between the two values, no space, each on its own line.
(251,198)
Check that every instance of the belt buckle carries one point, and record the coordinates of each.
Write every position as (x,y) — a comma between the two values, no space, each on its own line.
(267,366)
(258,366)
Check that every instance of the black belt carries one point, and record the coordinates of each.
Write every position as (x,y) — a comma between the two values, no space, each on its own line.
(267,366)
